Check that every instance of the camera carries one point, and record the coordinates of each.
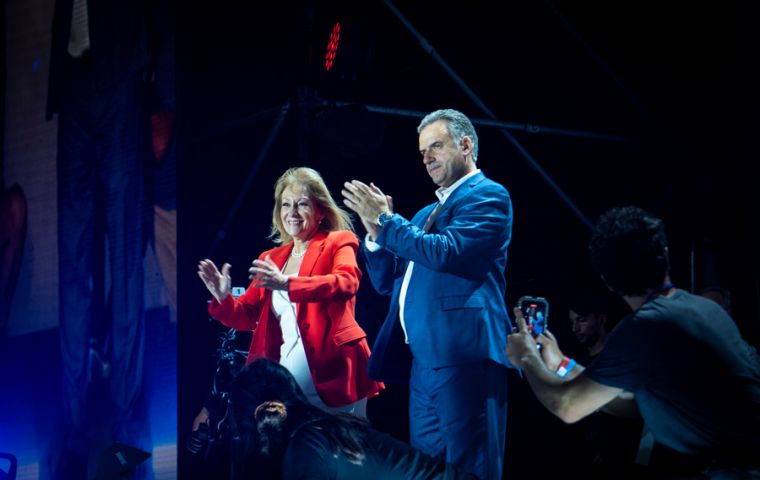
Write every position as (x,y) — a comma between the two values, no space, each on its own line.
(536,313)
(198,439)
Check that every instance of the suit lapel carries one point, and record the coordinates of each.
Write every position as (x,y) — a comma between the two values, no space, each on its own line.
(462,191)
(313,251)
(423,215)
(280,255)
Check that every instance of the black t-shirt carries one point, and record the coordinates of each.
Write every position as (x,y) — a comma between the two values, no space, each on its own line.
(309,456)
(696,382)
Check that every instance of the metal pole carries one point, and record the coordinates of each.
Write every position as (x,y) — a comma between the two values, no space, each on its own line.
(427,47)
(263,152)
(522,127)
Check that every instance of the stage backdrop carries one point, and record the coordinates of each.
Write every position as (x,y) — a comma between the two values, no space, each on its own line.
(30,356)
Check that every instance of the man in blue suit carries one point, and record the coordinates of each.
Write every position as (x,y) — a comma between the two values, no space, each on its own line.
(447,322)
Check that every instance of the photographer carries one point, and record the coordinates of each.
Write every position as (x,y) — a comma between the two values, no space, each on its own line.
(678,358)
(211,438)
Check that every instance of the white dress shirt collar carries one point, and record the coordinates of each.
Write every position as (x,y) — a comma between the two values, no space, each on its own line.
(443,193)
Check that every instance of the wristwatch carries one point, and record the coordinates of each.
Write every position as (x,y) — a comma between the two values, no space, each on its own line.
(384,217)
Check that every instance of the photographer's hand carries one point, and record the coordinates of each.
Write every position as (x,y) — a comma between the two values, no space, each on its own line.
(202,417)
(550,352)
(520,343)
(198,439)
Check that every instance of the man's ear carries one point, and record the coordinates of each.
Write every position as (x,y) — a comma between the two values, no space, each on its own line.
(466,144)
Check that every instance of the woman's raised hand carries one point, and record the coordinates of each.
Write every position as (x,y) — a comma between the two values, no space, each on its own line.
(218,283)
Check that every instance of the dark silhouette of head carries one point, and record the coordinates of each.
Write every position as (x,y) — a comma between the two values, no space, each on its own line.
(255,395)
(269,408)
(629,250)
(259,382)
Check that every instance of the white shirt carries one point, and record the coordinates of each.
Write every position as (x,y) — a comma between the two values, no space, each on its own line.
(293,355)
(443,193)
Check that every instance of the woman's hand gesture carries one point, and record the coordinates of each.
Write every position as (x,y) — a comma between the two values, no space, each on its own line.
(218,283)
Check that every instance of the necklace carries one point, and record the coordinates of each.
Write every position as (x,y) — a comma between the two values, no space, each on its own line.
(300,254)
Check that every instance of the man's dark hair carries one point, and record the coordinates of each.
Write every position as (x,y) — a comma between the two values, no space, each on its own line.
(628,248)
(265,436)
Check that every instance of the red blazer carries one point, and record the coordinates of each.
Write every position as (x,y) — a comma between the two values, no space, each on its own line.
(324,293)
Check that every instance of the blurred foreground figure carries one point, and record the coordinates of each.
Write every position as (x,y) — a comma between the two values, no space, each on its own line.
(283,436)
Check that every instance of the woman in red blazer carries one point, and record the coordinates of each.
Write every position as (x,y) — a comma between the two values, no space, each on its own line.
(300,303)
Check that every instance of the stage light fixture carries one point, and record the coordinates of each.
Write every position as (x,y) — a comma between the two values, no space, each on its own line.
(332,46)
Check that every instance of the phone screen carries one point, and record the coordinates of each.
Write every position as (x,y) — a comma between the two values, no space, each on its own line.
(536,313)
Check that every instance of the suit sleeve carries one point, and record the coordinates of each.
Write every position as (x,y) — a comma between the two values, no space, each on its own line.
(383,269)
(340,284)
(479,225)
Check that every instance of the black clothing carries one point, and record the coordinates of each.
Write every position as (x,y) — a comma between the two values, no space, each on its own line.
(310,456)
(696,382)
(602,445)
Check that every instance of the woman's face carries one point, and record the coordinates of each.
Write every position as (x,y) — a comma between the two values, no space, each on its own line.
(299,213)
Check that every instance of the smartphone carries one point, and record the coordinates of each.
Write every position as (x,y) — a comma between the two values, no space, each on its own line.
(536,313)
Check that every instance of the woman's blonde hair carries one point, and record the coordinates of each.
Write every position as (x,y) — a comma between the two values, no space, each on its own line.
(314,187)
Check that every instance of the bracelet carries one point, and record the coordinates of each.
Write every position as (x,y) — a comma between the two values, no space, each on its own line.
(565,366)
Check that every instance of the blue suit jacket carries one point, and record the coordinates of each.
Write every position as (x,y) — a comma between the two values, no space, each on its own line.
(454,309)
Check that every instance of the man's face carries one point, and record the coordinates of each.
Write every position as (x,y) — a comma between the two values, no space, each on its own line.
(445,160)
(586,328)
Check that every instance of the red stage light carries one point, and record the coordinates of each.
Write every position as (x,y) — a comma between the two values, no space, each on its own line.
(332,46)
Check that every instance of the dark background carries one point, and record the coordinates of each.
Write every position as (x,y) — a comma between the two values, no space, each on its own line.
(674,83)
